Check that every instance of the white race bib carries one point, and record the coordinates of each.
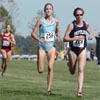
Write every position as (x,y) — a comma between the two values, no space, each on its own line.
(78,43)
(49,36)
(6,43)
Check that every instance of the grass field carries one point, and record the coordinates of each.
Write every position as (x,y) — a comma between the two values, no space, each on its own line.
(22,82)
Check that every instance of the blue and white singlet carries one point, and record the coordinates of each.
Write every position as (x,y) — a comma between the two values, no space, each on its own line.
(78,46)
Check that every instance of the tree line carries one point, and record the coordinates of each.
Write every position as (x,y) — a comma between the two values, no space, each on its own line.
(28,45)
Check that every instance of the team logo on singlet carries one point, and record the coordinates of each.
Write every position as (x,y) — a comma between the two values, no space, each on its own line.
(77,43)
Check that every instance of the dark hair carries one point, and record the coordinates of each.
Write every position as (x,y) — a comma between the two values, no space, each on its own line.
(78,8)
(98,33)
(47,5)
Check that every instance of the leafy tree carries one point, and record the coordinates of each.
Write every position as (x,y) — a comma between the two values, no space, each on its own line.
(20,44)
(31,45)
(5,15)
(25,45)
(7,0)
(59,46)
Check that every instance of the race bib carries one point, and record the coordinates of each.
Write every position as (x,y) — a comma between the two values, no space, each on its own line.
(6,43)
(49,36)
(78,43)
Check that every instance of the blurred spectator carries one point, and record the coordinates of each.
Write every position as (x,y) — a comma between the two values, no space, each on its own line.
(98,48)
(66,48)
(92,54)
(88,57)
(56,55)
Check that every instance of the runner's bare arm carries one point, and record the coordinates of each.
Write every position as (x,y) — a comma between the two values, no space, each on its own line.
(89,31)
(35,29)
(57,31)
(13,42)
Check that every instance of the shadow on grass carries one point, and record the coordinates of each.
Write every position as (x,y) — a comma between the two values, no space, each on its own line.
(37,94)
(26,94)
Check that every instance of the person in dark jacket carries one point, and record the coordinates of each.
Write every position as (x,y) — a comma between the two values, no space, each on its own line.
(98,48)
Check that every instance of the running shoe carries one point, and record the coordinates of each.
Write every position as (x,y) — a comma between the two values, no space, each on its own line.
(49,92)
(79,94)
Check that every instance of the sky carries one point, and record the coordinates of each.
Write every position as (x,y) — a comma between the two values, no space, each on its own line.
(27,10)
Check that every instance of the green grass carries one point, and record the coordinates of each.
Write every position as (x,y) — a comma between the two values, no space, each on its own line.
(22,82)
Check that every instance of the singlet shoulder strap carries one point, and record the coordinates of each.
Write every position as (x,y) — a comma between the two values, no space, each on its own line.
(3,34)
(43,20)
(73,22)
(85,25)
